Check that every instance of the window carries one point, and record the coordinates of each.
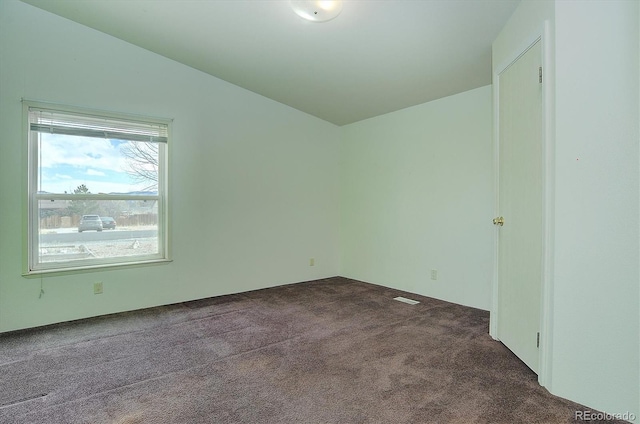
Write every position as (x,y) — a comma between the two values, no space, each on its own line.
(97,189)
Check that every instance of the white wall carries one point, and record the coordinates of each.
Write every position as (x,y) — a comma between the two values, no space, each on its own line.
(254,182)
(595,345)
(417,195)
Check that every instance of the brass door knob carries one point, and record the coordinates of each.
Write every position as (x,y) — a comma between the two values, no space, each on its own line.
(498,221)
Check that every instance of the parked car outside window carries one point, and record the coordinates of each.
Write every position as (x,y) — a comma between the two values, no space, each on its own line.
(108,222)
(90,222)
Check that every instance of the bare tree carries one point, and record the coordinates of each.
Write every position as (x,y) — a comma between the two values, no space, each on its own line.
(142,162)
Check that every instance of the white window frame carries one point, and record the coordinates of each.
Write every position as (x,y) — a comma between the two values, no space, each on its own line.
(31,262)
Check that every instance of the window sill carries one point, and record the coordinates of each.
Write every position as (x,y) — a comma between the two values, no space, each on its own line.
(93,268)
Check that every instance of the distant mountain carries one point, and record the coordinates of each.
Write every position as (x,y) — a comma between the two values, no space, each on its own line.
(131,193)
(137,193)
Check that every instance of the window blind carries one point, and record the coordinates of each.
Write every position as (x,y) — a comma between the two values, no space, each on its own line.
(56,122)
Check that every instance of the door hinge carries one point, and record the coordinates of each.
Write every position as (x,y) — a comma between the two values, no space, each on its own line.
(540,74)
(538,340)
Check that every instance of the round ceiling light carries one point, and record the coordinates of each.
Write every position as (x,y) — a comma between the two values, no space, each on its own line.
(317,10)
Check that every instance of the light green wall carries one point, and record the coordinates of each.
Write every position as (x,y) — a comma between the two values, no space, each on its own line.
(254,184)
(596,337)
(417,195)
(258,188)
(594,107)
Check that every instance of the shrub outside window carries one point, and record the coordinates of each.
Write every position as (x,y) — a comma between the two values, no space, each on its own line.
(97,192)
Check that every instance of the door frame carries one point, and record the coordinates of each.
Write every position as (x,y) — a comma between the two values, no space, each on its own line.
(543,35)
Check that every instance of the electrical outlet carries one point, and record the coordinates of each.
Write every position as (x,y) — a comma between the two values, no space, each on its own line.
(97,287)
(312,262)
(434,274)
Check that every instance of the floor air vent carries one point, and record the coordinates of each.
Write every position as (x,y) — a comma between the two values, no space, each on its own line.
(405,300)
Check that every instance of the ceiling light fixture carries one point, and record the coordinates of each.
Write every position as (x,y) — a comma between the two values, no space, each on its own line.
(317,10)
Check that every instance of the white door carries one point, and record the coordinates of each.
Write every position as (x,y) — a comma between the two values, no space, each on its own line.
(520,202)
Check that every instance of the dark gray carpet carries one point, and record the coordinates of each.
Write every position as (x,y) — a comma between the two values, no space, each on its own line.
(327,351)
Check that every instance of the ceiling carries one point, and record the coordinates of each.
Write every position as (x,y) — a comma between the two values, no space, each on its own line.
(375,57)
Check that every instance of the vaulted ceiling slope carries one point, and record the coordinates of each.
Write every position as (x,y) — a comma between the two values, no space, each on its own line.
(375,57)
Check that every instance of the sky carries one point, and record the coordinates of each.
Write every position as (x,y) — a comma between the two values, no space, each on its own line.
(69,161)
